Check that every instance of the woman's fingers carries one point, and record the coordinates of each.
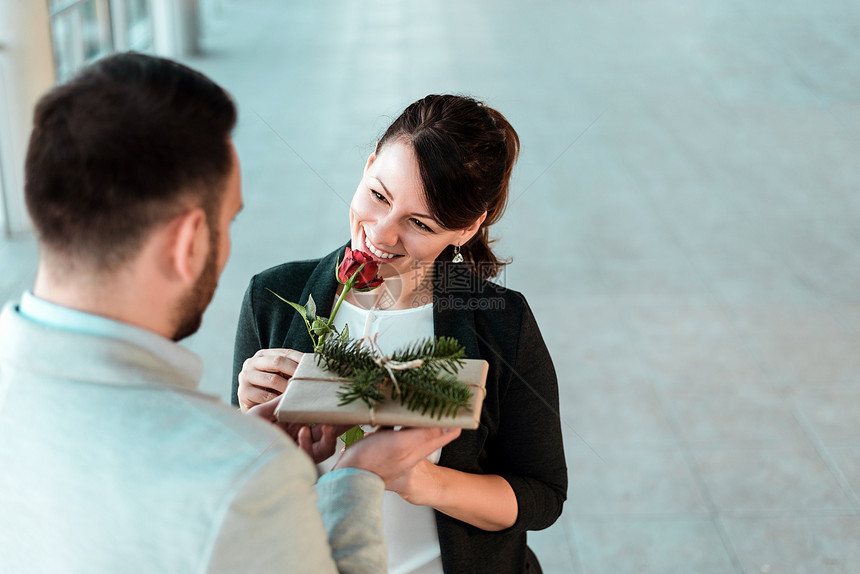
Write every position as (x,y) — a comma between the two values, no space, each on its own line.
(270,368)
(325,441)
(251,396)
(266,375)
(305,441)
(318,441)
(265,410)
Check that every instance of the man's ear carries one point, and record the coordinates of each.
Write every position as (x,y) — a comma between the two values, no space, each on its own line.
(190,247)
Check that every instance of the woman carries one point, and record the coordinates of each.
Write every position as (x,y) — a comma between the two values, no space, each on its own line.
(435,183)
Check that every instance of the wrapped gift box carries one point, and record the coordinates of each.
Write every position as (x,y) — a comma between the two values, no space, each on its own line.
(311,397)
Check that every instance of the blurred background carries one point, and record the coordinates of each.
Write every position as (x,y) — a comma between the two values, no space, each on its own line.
(683,221)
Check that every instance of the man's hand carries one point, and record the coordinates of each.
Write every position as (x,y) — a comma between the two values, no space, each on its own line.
(318,442)
(391,454)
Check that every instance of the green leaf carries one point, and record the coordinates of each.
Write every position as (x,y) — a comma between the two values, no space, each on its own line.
(302,311)
(352,436)
(312,307)
(337,270)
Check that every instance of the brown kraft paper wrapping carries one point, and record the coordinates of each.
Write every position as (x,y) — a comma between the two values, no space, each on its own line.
(311,397)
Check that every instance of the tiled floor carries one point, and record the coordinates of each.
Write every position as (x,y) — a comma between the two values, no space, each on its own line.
(684,222)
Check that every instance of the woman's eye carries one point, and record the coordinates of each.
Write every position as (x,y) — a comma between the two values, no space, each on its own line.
(378,196)
(421,226)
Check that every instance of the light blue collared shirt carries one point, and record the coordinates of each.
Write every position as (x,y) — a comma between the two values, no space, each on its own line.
(59,317)
(141,478)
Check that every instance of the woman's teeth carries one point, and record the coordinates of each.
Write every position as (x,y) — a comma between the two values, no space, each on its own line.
(377,252)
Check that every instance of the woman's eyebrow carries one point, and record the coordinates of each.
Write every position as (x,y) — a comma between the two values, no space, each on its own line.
(387,193)
(390,198)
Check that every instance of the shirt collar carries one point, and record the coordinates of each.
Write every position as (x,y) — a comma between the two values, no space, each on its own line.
(59,317)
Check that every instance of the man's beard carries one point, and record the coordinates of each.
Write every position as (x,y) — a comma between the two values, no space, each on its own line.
(191,308)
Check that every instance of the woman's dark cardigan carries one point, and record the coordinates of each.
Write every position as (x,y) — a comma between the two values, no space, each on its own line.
(519,437)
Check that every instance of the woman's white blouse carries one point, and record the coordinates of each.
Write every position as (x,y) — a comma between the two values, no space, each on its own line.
(410,531)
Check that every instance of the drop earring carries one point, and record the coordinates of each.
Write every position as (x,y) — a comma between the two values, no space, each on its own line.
(458,257)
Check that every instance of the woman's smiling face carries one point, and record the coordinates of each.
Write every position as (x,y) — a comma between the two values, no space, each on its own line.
(389,218)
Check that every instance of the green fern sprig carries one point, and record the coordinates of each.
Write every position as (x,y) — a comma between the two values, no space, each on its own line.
(431,387)
(439,352)
(365,384)
(436,395)
(345,357)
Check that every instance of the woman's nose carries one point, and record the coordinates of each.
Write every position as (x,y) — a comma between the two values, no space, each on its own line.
(385,232)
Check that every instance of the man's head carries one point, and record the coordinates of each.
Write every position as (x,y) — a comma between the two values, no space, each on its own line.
(123,151)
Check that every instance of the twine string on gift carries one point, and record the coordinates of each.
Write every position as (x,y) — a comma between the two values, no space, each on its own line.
(387,363)
(371,409)
(482,388)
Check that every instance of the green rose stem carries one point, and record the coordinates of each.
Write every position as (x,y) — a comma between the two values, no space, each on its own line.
(320,332)
(346,288)
(356,433)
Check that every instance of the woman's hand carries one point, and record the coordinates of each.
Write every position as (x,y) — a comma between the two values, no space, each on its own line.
(266,376)
(486,501)
(318,441)
(417,486)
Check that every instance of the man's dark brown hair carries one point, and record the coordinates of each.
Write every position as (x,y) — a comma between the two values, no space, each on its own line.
(127,144)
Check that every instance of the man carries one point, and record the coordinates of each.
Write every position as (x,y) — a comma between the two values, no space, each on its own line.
(110,460)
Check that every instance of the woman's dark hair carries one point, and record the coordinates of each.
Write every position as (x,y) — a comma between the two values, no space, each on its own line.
(125,145)
(466,152)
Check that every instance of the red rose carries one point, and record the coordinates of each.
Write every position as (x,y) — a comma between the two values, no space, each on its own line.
(360,263)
